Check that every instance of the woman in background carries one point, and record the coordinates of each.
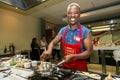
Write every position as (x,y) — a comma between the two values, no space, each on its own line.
(35,50)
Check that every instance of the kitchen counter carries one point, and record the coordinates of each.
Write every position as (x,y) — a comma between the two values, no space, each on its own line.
(106,47)
(6,55)
(101,51)
(57,73)
(60,73)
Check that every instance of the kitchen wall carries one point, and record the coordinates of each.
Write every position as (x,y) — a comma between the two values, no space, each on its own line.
(17,28)
(106,39)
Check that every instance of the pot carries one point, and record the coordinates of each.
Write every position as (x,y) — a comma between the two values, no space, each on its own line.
(45,69)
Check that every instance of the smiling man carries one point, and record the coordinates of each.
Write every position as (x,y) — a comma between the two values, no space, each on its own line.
(76,41)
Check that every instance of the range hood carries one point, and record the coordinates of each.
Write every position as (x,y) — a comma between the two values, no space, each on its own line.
(23,4)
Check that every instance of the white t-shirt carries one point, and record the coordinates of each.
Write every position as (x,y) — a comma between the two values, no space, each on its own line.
(43,44)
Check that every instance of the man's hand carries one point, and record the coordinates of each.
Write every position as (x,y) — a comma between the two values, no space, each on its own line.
(68,58)
(45,55)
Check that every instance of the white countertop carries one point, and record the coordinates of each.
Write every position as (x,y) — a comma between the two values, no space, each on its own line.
(107,47)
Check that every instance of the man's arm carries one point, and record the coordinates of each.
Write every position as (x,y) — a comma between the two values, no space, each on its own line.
(47,54)
(54,41)
(88,46)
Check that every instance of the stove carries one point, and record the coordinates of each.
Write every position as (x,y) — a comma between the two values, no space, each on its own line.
(60,73)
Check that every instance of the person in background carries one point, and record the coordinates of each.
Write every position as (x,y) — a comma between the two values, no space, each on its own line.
(58,51)
(54,48)
(43,44)
(76,41)
(35,53)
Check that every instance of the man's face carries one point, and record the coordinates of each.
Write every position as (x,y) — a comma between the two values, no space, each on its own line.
(73,14)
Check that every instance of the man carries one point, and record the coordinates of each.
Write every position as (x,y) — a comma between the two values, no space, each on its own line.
(76,41)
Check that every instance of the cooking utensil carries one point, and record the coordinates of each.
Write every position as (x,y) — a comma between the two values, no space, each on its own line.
(60,62)
(56,67)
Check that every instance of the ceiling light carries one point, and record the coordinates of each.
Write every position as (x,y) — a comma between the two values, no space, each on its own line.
(99,27)
(102,29)
(43,0)
(16,7)
(111,21)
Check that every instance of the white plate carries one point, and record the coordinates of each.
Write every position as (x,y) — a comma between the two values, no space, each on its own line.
(95,76)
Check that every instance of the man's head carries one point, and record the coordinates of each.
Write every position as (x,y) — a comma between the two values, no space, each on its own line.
(73,13)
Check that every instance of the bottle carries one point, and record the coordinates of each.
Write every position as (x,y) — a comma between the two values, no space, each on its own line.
(5,49)
(11,48)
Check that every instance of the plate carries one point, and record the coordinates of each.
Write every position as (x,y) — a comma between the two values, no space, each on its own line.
(95,76)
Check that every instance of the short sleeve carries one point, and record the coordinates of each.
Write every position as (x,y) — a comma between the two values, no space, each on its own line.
(85,31)
(62,30)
